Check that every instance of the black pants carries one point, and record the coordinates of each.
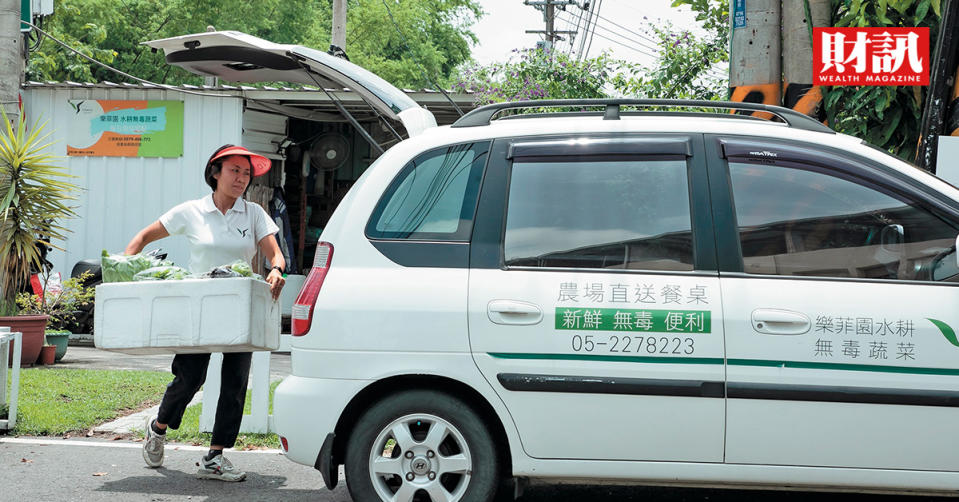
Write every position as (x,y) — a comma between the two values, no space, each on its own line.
(189,373)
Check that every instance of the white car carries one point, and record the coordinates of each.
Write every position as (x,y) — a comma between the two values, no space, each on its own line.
(690,299)
(651,297)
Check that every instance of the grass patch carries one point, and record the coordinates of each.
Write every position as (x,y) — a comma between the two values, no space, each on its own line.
(59,401)
(189,431)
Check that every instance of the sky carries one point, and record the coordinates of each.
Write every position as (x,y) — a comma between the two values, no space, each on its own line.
(622,28)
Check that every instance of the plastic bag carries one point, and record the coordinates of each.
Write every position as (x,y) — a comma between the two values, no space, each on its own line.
(122,268)
(238,268)
(221,272)
(162,273)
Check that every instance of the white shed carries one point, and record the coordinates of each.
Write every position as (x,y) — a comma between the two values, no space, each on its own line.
(120,195)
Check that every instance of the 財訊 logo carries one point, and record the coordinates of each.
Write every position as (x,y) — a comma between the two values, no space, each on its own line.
(871,56)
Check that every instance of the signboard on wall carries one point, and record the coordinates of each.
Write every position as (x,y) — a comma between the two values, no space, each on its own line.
(125,128)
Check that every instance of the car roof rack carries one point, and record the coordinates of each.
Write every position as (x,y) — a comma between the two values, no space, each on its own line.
(484,114)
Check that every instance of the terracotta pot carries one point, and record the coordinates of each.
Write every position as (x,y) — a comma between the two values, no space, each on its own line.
(48,354)
(32,327)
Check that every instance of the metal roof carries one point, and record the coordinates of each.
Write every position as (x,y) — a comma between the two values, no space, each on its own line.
(308,99)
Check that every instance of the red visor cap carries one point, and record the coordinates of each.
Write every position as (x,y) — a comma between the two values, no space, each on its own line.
(260,164)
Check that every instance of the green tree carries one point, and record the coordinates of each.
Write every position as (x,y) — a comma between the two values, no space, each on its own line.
(429,38)
(436,31)
(111,32)
(685,67)
(889,117)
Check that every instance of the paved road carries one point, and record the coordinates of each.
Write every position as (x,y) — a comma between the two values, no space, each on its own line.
(95,470)
(111,471)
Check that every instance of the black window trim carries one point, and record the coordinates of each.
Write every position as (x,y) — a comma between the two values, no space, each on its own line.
(588,146)
(729,148)
(689,273)
(487,245)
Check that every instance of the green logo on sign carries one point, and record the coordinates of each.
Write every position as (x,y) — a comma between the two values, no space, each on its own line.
(627,320)
(946,331)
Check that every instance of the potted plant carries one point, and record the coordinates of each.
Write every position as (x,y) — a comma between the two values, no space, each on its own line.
(48,352)
(59,338)
(60,305)
(34,193)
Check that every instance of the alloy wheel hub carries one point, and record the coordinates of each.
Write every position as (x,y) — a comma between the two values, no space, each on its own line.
(420,465)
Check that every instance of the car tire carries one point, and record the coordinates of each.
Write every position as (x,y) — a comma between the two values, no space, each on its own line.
(440,450)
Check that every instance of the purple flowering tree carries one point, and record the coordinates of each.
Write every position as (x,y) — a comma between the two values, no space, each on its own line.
(540,74)
(689,64)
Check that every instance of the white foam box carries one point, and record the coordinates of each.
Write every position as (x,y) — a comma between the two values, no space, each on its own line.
(186,316)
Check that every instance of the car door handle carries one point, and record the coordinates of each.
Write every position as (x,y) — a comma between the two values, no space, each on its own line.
(513,312)
(780,322)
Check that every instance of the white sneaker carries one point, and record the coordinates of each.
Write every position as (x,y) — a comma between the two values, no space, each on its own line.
(219,468)
(152,445)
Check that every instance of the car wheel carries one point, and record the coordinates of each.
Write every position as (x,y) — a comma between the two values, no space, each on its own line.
(421,446)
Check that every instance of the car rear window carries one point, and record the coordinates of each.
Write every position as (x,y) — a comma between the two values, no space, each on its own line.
(433,197)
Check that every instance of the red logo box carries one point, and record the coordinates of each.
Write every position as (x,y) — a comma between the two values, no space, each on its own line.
(871,56)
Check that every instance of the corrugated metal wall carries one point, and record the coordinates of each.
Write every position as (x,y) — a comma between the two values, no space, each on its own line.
(121,195)
(263,132)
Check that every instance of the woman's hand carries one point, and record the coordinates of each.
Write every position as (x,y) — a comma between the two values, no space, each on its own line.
(276,281)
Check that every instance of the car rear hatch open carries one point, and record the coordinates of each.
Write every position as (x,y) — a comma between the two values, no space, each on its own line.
(238,57)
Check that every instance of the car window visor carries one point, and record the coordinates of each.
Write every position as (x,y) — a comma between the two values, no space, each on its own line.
(602,146)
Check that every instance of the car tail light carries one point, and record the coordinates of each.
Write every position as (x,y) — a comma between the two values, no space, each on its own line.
(302,311)
(284,444)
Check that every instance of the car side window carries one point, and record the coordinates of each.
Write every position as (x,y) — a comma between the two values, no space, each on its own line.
(799,220)
(622,214)
(433,197)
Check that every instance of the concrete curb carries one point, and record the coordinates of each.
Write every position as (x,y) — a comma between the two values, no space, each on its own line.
(134,422)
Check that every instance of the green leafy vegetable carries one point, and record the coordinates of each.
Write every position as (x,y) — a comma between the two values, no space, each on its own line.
(162,273)
(122,268)
(242,268)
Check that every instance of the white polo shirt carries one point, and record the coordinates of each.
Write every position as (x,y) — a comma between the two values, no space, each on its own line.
(217,238)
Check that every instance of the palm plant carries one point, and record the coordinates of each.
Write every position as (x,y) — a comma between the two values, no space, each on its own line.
(34,193)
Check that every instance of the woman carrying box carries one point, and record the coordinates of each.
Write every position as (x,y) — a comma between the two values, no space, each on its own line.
(222,228)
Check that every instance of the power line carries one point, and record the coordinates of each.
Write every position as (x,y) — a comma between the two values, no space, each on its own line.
(579,20)
(582,40)
(599,5)
(623,44)
(573,30)
(422,68)
(122,73)
(640,35)
(637,42)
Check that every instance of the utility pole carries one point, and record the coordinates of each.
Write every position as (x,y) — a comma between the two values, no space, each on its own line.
(755,74)
(11,57)
(940,115)
(800,94)
(549,16)
(338,37)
